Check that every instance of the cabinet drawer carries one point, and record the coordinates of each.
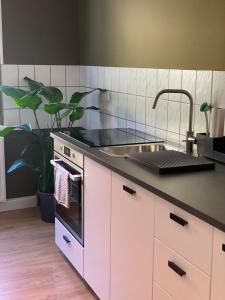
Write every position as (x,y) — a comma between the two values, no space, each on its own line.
(187,235)
(177,276)
(159,293)
(218,269)
(69,246)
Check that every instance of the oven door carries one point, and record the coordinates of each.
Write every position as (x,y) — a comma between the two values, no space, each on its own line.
(72,217)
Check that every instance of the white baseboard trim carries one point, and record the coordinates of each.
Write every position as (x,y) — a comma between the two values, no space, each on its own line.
(18,203)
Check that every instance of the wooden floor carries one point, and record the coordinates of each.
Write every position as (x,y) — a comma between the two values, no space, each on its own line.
(31,266)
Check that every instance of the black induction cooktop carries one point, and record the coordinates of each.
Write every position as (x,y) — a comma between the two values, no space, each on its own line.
(110,137)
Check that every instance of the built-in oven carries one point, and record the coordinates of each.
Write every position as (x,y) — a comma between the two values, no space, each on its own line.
(73,216)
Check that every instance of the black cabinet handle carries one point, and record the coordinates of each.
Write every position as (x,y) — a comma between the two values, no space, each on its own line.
(223,247)
(176,269)
(66,239)
(128,190)
(178,220)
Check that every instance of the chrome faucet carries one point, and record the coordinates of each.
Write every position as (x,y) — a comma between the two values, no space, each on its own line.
(190,139)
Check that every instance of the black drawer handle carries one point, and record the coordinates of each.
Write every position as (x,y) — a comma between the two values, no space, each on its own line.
(66,239)
(223,247)
(128,190)
(176,269)
(178,220)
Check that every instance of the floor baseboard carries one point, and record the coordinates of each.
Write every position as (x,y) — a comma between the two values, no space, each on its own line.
(18,203)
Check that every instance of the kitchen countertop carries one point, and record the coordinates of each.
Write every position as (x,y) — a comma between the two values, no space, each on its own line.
(200,193)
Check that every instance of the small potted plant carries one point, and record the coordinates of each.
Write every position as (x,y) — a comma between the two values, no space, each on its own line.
(54,105)
(204,142)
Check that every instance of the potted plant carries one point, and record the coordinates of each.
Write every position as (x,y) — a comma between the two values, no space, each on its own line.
(32,98)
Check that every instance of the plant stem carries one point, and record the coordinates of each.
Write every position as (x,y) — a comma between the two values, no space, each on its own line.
(207,123)
(35,115)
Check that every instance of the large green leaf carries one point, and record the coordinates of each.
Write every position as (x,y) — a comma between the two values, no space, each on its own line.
(20,163)
(12,91)
(76,115)
(33,85)
(52,94)
(78,96)
(26,127)
(4,132)
(54,108)
(205,107)
(32,102)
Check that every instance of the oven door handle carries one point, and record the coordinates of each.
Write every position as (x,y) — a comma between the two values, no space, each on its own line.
(71,176)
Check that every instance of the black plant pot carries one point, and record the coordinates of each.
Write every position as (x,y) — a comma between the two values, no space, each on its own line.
(46,202)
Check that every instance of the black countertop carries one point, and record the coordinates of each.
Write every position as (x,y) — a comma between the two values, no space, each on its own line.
(200,193)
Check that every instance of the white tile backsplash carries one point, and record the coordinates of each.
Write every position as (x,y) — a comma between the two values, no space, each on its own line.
(203,86)
(152,82)
(123,80)
(132,81)
(140,109)
(72,76)
(25,70)
(163,82)
(131,107)
(108,78)
(11,117)
(174,112)
(189,83)
(122,106)
(43,74)
(218,89)
(101,77)
(175,78)
(141,82)
(128,103)
(10,75)
(162,114)
(115,79)
(150,113)
(58,75)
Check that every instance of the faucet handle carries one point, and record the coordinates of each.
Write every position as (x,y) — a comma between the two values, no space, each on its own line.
(190,139)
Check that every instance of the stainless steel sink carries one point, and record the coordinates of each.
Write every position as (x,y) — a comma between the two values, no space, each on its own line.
(123,151)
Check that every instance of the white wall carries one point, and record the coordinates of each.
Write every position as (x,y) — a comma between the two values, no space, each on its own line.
(129,100)
(66,78)
(132,92)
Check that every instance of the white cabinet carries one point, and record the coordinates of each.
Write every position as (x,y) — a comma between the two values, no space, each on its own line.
(177,276)
(2,171)
(159,293)
(70,247)
(218,266)
(97,211)
(132,222)
(184,233)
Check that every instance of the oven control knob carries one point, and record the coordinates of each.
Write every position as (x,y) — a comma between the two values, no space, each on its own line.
(73,155)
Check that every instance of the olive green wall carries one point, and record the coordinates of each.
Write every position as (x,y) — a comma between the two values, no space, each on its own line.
(184,34)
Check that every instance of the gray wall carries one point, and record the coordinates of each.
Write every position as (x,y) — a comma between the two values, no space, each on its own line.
(40,32)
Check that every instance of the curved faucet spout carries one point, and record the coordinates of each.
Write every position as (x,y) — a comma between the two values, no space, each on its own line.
(190,131)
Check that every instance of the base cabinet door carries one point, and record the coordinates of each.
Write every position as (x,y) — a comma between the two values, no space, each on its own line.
(97,207)
(218,266)
(177,276)
(131,241)
(159,293)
